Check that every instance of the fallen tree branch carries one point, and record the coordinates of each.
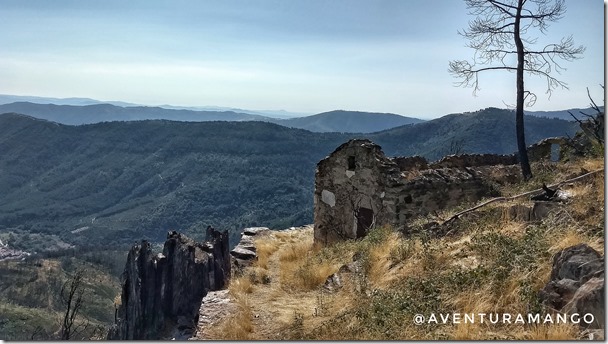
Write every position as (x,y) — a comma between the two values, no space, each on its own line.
(510,198)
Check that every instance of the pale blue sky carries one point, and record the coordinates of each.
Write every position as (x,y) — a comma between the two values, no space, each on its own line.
(297,55)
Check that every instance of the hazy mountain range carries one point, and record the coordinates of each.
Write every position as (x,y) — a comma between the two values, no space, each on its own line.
(7,98)
(76,111)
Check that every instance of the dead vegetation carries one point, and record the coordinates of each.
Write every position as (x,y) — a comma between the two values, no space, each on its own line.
(491,264)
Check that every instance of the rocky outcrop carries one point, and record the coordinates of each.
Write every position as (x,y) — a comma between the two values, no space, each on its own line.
(162,293)
(216,306)
(244,254)
(577,283)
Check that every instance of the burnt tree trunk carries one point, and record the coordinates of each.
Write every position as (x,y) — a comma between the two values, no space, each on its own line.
(519,110)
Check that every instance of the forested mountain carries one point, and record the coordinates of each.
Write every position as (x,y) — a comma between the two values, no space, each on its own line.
(118,182)
(348,122)
(490,130)
(564,114)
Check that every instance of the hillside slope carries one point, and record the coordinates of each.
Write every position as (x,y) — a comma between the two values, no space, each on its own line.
(348,122)
(31,306)
(86,184)
(377,287)
(489,130)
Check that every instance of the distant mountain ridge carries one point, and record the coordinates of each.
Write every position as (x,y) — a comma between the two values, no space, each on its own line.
(334,121)
(76,111)
(7,99)
(348,122)
(96,113)
(564,114)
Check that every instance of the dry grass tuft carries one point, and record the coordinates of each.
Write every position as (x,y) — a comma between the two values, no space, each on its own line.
(240,286)
(294,252)
(237,326)
(551,332)
(264,249)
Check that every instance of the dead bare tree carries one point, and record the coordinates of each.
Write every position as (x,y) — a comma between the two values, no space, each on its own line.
(72,297)
(594,124)
(499,32)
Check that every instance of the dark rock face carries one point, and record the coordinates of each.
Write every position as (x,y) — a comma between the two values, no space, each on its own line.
(577,283)
(165,289)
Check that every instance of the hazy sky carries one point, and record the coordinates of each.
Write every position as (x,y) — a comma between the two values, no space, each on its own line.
(297,55)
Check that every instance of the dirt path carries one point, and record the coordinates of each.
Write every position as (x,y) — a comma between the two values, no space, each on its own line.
(274,310)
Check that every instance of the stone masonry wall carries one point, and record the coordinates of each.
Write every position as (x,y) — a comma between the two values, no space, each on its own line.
(358,188)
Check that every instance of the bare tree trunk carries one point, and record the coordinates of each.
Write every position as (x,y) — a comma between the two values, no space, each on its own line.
(519,110)
(72,296)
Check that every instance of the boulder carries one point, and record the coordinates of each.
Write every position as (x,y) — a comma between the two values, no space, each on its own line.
(579,263)
(576,284)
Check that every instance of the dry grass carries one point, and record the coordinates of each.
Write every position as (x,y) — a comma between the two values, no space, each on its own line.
(240,286)
(551,332)
(492,264)
(264,249)
(237,326)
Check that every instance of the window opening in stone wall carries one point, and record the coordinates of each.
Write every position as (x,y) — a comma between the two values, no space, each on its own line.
(351,163)
(365,219)
(555,150)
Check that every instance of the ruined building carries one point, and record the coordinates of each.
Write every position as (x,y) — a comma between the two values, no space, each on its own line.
(358,188)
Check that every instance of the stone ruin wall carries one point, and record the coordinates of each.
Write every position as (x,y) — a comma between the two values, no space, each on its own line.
(358,188)
(352,181)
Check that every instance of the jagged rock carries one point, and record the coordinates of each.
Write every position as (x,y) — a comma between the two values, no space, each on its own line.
(576,284)
(167,288)
(244,254)
(552,195)
(558,293)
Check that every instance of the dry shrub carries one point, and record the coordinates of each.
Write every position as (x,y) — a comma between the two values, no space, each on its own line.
(240,286)
(304,275)
(551,332)
(298,270)
(477,301)
(468,331)
(258,275)
(239,325)
(265,247)
(294,252)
